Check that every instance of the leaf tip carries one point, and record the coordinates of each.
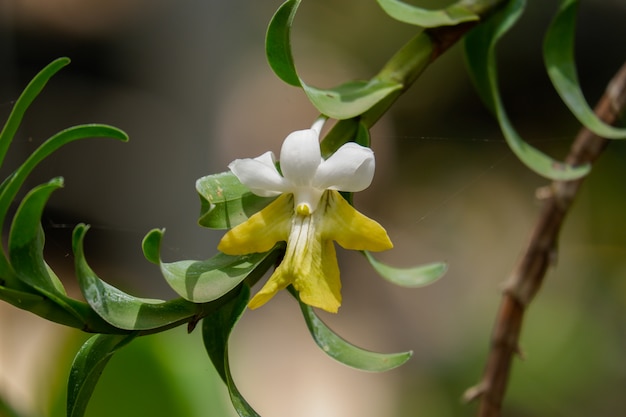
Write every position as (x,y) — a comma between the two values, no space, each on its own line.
(151,245)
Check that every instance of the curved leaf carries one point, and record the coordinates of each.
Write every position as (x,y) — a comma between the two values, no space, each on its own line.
(31,91)
(216,329)
(480,55)
(204,281)
(418,276)
(350,99)
(42,306)
(278,43)
(121,309)
(558,53)
(26,243)
(226,202)
(343,102)
(344,352)
(87,368)
(15,181)
(151,245)
(451,15)
(11,185)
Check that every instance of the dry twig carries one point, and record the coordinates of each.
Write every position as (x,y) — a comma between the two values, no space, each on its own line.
(527,277)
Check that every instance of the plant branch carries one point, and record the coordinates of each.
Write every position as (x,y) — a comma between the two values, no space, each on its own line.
(527,277)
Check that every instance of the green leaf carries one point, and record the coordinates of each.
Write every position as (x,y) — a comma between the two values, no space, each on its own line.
(26,243)
(558,53)
(480,54)
(40,305)
(344,352)
(87,367)
(31,91)
(151,245)
(121,309)
(6,271)
(11,185)
(350,99)
(21,299)
(204,281)
(451,15)
(343,102)
(226,202)
(14,182)
(278,43)
(216,330)
(418,276)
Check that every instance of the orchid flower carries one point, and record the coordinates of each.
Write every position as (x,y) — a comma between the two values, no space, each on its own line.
(309,215)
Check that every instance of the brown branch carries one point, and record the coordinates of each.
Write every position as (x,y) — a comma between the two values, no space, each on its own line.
(527,277)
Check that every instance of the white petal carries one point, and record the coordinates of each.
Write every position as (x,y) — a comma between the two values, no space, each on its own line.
(259,175)
(300,156)
(350,168)
(268,159)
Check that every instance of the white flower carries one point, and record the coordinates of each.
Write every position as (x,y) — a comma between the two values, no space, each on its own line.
(304,173)
(309,215)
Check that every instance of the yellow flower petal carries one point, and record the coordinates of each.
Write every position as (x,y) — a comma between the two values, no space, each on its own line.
(262,230)
(310,264)
(322,288)
(310,261)
(351,229)
(277,282)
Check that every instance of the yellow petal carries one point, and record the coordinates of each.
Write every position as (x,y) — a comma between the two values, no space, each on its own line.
(262,230)
(310,264)
(277,282)
(321,287)
(349,228)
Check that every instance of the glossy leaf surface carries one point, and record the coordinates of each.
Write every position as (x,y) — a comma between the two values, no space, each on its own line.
(87,368)
(26,244)
(278,43)
(480,46)
(350,99)
(418,276)
(121,309)
(42,306)
(208,280)
(345,352)
(26,241)
(558,52)
(407,13)
(226,202)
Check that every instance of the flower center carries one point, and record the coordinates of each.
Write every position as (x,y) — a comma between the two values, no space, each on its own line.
(306,199)
(303,209)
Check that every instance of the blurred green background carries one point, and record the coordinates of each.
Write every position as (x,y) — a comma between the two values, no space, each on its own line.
(189,83)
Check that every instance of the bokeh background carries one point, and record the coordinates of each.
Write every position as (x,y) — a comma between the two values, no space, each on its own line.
(189,83)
